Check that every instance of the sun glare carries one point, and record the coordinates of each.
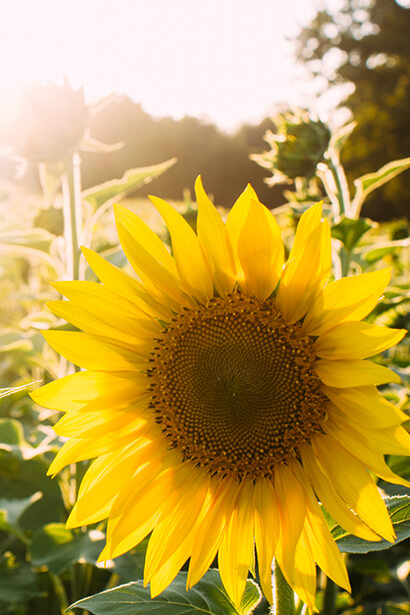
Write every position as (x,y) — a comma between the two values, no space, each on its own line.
(229,62)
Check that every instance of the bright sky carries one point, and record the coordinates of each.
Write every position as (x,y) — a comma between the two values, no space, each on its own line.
(227,61)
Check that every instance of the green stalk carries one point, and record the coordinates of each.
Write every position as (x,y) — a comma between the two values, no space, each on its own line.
(71,186)
(283,596)
(60,594)
(339,176)
(329,600)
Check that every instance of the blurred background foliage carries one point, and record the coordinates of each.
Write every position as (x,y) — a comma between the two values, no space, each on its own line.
(365,45)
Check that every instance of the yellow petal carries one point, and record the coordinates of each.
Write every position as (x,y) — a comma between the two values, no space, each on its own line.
(292,508)
(260,251)
(363,449)
(95,297)
(102,323)
(365,406)
(192,265)
(236,551)
(302,576)
(354,485)
(177,518)
(168,571)
(161,280)
(216,511)
(72,392)
(393,440)
(307,268)
(125,286)
(94,353)
(137,508)
(330,499)
(356,340)
(79,450)
(266,532)
(324,548)
(347,299)
(357,373)
(98,423)
(144,237)
(235,222)
(215,242)
(102,482)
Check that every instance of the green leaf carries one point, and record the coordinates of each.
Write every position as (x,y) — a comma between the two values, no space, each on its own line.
(57,548)
(118,188)
(373,255)
(208,597)
(399,510)
(350,231)
(369,182)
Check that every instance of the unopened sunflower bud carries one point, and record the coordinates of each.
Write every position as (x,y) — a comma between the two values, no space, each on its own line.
(50,124)
(297,148)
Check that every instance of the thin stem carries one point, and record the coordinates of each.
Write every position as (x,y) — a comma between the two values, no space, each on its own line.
(71,186)
(60,594)
(283,596)
(329,600)
(342,189)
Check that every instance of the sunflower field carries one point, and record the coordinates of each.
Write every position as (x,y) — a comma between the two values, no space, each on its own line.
(204,406)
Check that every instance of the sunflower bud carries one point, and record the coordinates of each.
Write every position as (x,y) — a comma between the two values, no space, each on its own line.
(297,148)
(50,124)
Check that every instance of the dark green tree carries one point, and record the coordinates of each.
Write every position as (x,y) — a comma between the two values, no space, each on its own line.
(366,43)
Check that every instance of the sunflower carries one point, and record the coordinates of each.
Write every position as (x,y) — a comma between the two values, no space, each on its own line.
(225,394)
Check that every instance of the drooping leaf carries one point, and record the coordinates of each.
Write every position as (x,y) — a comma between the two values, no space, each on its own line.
(208,597)
(350,231)
(57,547)
(399,510)
(118,188)
(369,182)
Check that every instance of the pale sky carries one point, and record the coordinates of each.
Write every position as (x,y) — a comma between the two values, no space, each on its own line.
(227,61)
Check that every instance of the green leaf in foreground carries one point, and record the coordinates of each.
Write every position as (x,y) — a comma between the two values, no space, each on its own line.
(118,188)
(399,510)
(207,597)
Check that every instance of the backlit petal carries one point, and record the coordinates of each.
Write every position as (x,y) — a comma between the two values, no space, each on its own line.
(347,299)
(356,340)
(215,241)
(260,251)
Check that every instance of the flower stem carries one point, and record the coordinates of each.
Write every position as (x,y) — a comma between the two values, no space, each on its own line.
(342,190)
(71,186)
(329,600)
(283,596)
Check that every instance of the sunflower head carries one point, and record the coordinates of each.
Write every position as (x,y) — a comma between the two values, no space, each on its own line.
(224,394)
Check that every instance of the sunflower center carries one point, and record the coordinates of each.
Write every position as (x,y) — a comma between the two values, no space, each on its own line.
(233,386)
